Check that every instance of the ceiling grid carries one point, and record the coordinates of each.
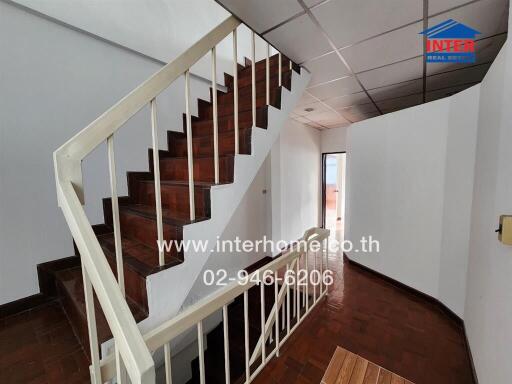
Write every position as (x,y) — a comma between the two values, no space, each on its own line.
(368,58)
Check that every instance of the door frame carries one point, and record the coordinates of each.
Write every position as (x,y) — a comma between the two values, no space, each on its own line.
(324,198)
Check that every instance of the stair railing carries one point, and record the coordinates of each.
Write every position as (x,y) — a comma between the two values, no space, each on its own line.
(132,351)
(299,302)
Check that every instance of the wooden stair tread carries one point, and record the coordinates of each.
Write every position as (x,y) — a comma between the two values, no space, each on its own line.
(139,257)
(168,216)
(71,282)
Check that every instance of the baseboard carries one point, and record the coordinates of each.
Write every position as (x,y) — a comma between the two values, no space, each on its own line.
(423,296)
(23,304)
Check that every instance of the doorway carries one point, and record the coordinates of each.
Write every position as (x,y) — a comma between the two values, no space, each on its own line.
(333,193)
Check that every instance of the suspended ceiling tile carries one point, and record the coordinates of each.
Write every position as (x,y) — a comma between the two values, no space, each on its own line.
(436,6)
(299,39)
(441,93)
(397,90)
(306,110)
(486,50)
(262,14)
(336,124)
(323,115)
(359,109)
(463,76)
(391,74)
(305,99)
(312,3)
(349,21)
(347,100)
(398,103)
(361,116)
(336,88)
(486,16)
(395,46)
(328,67)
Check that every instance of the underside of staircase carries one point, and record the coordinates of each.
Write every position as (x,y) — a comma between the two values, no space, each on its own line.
(138,222)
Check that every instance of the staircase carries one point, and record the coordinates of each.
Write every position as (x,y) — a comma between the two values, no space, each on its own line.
(137,210)
(120,277)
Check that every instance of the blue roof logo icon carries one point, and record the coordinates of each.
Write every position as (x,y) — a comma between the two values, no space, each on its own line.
(450,29)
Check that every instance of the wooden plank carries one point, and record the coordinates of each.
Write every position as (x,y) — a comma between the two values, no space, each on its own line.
(384,377)
(346,369)
(372,374)
(359,371)
(334,366)
(395,379)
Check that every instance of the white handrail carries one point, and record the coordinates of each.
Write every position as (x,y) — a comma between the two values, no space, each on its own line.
(130,345)
(69,155)
(191,316)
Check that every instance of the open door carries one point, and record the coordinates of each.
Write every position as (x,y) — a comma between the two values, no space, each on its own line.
(333,192)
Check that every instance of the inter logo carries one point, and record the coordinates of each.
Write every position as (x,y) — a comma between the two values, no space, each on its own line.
(450,42)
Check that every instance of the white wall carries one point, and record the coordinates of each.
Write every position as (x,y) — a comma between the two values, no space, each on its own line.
(249,222)
(409,186)
(488,310)
(296,176)
(334,139)
(55,81)
(160,29)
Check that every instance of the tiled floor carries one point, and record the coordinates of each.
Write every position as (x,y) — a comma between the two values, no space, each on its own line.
(38,346)
(380,322)
(363,314)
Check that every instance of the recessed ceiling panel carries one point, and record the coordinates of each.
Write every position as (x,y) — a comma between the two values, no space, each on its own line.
(397,90)
(401,44)
(299,39)
(445,92)
(485,50)
(262,14)
(486,16)
(391,74)
(336,88)
(463,76)
(398,103)
(348,100)
(436,6)
(306,99)
(349,21)
(308,109)
(328,67)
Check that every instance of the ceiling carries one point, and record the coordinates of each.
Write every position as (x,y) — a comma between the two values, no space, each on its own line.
(366,57)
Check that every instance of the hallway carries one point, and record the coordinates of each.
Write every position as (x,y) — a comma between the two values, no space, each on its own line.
(380,322)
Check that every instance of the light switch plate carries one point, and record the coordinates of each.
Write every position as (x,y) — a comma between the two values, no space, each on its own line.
(505,235)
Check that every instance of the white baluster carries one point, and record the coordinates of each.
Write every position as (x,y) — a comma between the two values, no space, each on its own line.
(115,213)
(253,78)
(262,312)
(201,352)
(315,272)
(267,74)
(288,301)
(190,156)
(215,116)
(276,289)
(246,336)
(226,343)
(167,358)
(156,172)
(280,76)
(91,326)
(297,290)
(306,291)
(235,90)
